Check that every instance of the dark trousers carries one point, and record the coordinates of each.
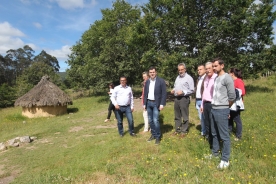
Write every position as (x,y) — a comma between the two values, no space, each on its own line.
(207,106)
(235,116)
(181,113)
(219,128)
(111,108)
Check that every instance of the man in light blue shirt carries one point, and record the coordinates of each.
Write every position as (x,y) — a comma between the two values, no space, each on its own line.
(183,88)
(122,99)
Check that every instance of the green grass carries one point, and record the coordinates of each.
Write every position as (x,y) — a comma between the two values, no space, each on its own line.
(80,148)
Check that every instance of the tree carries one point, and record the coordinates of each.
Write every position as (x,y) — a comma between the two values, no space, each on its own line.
(196,31)
(105,51)
(7,95)
(2,70)
(47,59)
(32,75)
(170,32)
(6,71)
(18,60)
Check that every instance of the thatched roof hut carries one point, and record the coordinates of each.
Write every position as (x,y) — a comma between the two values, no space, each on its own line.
(44,100)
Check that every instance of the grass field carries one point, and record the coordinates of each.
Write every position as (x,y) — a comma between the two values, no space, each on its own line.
(80,148)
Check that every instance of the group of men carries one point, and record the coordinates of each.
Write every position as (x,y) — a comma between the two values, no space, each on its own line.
(214,95)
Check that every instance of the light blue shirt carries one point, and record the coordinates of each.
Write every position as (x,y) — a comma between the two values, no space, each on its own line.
(184,83)
(122,96)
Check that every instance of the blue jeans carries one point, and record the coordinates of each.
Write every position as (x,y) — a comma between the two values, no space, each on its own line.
(219,128)
(201,116)
(153,115)
(119,115)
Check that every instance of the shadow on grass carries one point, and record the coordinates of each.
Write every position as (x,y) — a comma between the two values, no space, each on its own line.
(72,110)
(164,127)
(198,127)
(251,88)
(138,128)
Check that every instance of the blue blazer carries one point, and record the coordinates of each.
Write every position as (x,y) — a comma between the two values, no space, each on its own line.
(160,92)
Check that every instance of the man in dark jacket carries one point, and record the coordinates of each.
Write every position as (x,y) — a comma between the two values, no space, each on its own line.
(154,101)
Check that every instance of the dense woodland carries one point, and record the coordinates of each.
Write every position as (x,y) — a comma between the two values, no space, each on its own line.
(128,39)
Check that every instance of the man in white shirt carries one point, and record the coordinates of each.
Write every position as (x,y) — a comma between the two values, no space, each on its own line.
(122,99)
(199,90)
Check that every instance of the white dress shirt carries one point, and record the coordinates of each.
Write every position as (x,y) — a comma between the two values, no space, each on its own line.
(151,89)
(122,96)
(198,87)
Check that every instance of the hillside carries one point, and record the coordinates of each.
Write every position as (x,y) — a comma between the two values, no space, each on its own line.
(80,148)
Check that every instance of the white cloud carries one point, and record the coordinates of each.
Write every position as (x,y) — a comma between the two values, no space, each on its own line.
(10,38)
(7,30)
(8,42)
(72,4)
(37,25)
(61,54)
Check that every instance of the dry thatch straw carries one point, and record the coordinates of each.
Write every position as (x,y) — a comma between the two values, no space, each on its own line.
(45,93)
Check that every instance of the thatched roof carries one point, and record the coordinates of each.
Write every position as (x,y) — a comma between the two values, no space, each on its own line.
(45,93)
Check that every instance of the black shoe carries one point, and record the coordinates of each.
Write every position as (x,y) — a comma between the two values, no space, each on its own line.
(151,138)
(133,134)
(157,141)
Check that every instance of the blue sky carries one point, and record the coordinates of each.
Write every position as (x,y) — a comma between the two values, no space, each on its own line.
(50,25)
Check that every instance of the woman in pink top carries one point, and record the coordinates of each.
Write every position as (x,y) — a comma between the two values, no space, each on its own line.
(235,115)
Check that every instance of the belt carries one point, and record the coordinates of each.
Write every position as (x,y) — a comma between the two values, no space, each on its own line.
(123,105)
(198,99)
(179,97)
(207,102)
(151,100)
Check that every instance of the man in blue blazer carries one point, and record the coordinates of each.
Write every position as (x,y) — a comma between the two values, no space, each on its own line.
(155,95)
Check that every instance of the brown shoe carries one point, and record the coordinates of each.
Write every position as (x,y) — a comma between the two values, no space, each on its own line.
(182,135)
(144,132)
(175,133)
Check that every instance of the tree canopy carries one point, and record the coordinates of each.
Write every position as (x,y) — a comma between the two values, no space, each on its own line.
(20,70)
(106,51)
(46,58)
(128,39)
